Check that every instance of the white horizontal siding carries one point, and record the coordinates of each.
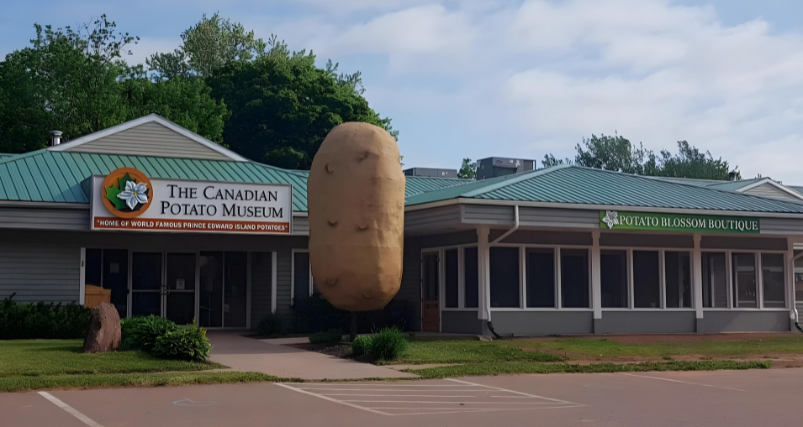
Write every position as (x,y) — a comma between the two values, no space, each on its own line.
(45,219)
(39,273)
(769,190)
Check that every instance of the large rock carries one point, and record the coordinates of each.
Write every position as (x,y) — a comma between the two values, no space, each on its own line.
(355,193)
(104,330)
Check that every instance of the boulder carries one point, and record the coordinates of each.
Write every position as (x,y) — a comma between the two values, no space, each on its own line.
(104,330)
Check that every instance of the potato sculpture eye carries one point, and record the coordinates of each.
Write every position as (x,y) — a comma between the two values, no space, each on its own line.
(355,194)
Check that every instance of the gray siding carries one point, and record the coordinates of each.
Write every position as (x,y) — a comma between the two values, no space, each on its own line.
(769,190)
(647,240)
(44,272)
(260,286)
(546,217)
(781,226)
(44,219)
(150,139)
(542,322)
(449,239)
(744,321)
(432,220)
(544,237)
(300,225)
(460,322)
(487,214)
(644,322)
(747,243)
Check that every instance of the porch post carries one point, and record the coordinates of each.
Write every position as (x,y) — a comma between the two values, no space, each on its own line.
(790,282)
(596,283)
(697,282)
(483,267)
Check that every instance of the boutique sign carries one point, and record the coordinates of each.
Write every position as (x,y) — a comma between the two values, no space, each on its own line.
(127,199)
(616,220)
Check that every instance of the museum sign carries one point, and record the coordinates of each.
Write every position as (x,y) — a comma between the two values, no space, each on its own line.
(126,199)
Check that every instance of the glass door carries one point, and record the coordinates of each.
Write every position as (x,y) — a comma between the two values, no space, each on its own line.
(430,286)
(179,288)
(223,292)
(210,308)
(146,283)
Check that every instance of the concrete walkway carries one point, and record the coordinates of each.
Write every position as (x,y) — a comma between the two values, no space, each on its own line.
(246,354)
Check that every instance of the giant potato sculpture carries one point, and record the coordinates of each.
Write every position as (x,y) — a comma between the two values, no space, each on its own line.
(355,194)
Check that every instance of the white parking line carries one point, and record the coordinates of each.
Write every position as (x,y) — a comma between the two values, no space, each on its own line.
(70,410)
(682,382)
(461,397)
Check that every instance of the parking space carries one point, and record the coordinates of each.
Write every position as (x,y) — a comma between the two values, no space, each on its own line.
(715,398)
(433,397)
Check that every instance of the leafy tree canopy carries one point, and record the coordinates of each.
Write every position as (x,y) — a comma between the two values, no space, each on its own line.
(616,153)
(468,170)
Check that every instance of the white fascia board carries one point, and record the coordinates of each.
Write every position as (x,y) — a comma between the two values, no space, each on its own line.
(597,208)
(150,118)
(774,184)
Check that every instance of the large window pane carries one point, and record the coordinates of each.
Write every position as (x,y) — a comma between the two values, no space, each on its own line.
(744,281)
(236,290)
(450,277)
(210,309)
(540,278)
(300,277)
(613,274)
(574,283)
(93,267)
(772,276)
(715,280)
(504,277)
(115,277)
(470,278)
(677,266)
(646,279)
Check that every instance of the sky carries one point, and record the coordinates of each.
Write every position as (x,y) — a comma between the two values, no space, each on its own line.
(482,78)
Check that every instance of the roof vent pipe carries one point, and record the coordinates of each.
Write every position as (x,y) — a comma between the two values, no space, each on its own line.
(732,176)
(55,137)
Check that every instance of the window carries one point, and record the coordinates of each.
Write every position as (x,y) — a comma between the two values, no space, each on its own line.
(540,278)
(115,277)
(301,277)
(92,267)
(613,275)
(504,275)
(450,278)
(677,273)
(470,278)
(744,280)
(646,279)
(772,276)
(715,280)
(210,308)
(574,283)
(235,290)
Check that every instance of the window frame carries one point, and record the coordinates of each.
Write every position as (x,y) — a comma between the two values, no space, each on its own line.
(293,253)
(759,279)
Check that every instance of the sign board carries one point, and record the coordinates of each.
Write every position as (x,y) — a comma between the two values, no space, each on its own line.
(127,199)
(617,220)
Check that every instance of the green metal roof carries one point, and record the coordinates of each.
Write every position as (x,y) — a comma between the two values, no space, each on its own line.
(578,185)
(56,176)
(416,184)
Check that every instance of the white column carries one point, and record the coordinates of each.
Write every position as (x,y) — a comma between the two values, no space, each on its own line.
(483,270)
(697,277)
(596,281)
(82,279)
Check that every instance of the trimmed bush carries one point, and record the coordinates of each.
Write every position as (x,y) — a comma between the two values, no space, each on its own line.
(189,343)
(42,320)
(388,343)
(327,337)
(141,332)
(271,324)
(360,346)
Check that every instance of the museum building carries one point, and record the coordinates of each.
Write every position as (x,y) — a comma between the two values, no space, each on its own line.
(169,223)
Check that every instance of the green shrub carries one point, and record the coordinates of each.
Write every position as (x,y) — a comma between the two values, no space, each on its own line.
(189,343)
(327,337)
(271,324)
(42,320)
(141,332)
(360,346)
(388,343)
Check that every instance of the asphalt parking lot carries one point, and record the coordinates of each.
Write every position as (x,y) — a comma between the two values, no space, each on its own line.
(718,398)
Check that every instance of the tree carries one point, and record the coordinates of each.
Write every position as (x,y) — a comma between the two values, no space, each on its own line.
(616,153)
(282,110)
(550,160)
(468,170)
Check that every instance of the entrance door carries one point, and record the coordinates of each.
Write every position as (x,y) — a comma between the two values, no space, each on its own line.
(430,286)
(146,283)
(179,288)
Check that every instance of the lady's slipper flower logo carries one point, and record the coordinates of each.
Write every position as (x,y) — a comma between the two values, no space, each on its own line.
(127,192)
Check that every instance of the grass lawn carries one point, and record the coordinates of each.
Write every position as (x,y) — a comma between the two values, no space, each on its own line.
(37,364)
(459,351)
(607,348)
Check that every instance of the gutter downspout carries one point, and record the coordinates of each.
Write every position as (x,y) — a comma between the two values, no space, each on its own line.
(516,224)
